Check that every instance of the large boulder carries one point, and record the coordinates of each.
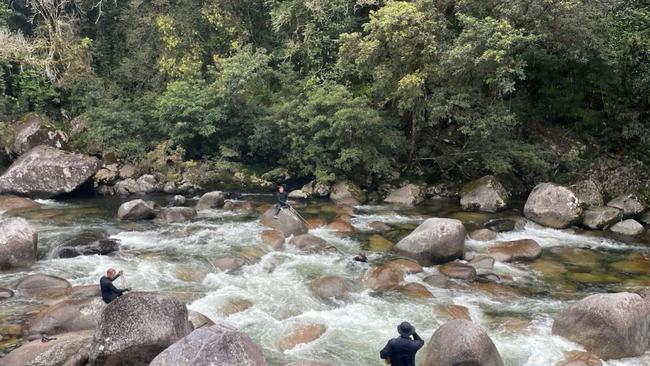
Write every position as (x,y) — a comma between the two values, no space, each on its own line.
(630,204)
(515,250)
(588,193)
(210,200)
(316,189)
(287,222)
(14,203)
(384,278)
(628,227)
(136,210)
(42,285)
(484,194)
(601,217)
(86,243)
(127,187)
(68,316)
(136,327)
(70,349)
(308,242)
(218,345)
(33,131)
(409,195)
(461,342)
(347,193)
(611,326)
(18,242)
(107,175)
(552,205)
(47,172)
(274,239)
(301,334)
(436,240)
(177,214)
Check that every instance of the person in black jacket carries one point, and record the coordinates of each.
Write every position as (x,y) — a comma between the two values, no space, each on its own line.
(282,198)
(109,291)
(401,351)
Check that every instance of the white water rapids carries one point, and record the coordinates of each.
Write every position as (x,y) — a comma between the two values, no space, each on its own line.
(176,258)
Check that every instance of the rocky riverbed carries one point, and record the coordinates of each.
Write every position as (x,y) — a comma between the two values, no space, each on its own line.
(305,298)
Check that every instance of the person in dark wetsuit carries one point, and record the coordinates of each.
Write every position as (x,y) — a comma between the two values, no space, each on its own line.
(282,198)
(401,351)
(109,291)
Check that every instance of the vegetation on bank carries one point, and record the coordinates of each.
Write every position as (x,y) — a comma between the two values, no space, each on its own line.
(371,90)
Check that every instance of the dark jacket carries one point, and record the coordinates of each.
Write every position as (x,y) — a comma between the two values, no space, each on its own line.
(109,291)
(402,350)
(282,198)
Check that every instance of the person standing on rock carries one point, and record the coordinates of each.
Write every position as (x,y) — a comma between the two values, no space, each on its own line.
(109,291)
(401,351)
(282,200)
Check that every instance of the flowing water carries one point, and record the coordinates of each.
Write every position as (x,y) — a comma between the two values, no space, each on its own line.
(178,258)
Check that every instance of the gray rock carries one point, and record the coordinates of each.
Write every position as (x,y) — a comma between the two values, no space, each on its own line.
(42,285)
(347,193)
(483,235)
(68,316)
(298,194)
(515,250)
(628,227)
(34,131)
(646,218)
(70,349)
(147,184)
(169,188)
(482,261)
(210,200)
(287,222)
(18,242)
(198,320)
(128,171)
(611,326)
(86,243)
(461,342)
(552,205)
(630,204)
(107,175)
(330,287)
(47,172)
(105,190)
(308,242)
(218,345)
(177,201)
(177,214)
(17,204)
(127,187)
(436,240)
(588,193)
(5,293)
(409,195)
(136,210)
(485,194)
(316,189)
(600,217)
(187,188)
(136,327)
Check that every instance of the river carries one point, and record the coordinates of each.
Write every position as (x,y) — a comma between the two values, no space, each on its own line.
(177,258)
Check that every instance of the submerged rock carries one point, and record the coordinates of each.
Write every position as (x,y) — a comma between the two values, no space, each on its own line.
(630,204)
(68,316)
(461,342)
(413,289)
(216,345)
(451,312)
(577,358)
(308,242)
(552,205)
(274,239)
(378,243)
(287,222)
(628,227)
(47,172)
(70,349)
(458,271)
(300,334)
(42,285)
(330,287)
(611,326)
(86,243)
(384,278)
(136,210)
(516,250)
(483,235)
(136,327)
(436,240)
(172,215)
(409,195)
(341,226)
(600,217)
(484,194)
(18,242)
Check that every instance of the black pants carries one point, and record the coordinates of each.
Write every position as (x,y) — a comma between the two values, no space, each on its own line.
(278,207)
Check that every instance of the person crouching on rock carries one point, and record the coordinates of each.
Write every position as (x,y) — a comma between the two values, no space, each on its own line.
(282,198)
(109,291)
(401,351)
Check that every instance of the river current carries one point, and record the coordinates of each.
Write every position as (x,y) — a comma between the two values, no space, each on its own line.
(178,258)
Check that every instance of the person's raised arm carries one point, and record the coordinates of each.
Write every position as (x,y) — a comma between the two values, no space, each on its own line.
(418,340)
(116,276)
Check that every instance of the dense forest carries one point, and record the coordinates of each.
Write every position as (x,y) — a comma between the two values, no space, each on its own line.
(376,91)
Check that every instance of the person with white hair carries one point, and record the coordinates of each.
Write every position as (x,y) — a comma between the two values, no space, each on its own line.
(109,291)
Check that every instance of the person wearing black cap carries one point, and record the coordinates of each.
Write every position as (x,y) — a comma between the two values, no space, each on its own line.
(401,351)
